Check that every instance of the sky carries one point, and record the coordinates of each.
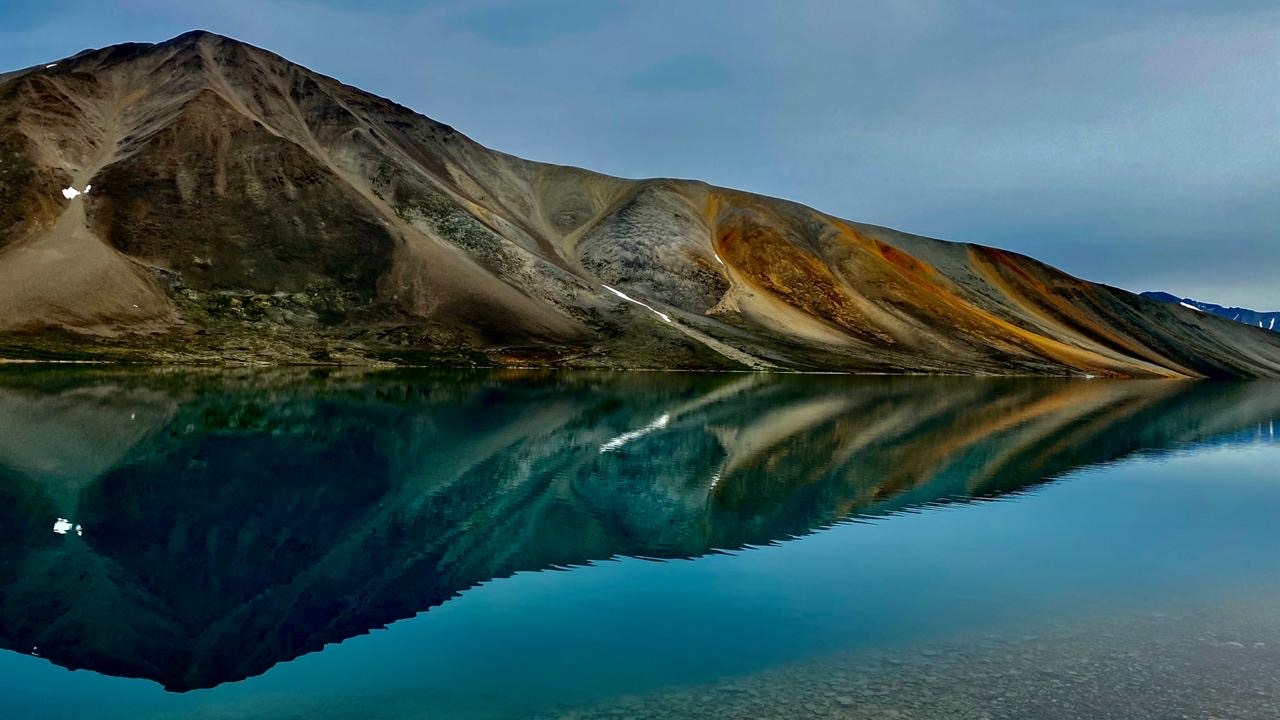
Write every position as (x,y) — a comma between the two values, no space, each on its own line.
(1135,143)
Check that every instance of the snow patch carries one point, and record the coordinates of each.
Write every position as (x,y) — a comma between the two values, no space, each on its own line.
(665,317)
(1273,324)
(50,65)
(71,193)
(1189,305)
(627,437)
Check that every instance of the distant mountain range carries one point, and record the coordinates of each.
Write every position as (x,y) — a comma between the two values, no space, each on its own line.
(1265,320)
(203,200)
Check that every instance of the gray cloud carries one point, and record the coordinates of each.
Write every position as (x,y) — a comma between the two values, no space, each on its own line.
(1134,143)
(531,23)
(20,15)
(692,72)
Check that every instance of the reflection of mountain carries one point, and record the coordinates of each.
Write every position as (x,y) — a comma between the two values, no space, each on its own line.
(232,522)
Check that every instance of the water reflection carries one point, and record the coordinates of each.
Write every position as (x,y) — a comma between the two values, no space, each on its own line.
(216,524)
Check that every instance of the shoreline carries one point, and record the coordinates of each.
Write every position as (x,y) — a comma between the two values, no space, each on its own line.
(446,366)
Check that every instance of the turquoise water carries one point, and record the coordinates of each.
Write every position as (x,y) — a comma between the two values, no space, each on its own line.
(524,544)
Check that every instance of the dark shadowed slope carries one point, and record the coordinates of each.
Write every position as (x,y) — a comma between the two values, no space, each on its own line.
(243,207)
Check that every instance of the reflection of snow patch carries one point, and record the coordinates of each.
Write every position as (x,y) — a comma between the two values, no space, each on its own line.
(665,317)
(62,526)
(625,438)
(718,258)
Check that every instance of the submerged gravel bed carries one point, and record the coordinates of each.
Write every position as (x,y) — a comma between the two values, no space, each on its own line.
(1208,663)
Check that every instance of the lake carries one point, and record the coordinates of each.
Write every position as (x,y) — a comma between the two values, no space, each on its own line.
(330,543)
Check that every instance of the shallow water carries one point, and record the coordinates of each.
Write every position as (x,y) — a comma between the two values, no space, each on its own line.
(535,544)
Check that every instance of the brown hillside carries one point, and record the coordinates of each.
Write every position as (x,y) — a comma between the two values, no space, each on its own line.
(245,208)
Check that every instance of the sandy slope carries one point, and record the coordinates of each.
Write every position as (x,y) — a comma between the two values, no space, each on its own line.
(68,277)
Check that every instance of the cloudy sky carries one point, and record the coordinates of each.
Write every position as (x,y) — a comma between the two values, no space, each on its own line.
(1133,143)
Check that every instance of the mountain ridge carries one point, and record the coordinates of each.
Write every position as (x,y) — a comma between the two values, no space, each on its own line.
(1245,316)
(244,208)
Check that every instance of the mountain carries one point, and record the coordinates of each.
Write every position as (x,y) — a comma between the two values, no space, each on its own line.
(203,200)
(301,508)
(1266,320)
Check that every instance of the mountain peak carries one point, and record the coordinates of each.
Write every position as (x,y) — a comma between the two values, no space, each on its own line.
(195,38)
(197,35)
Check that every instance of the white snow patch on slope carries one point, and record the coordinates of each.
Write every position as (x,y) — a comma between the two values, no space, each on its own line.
(71,193)
(50,65)
(665,317)
(1189,305)
(627,437)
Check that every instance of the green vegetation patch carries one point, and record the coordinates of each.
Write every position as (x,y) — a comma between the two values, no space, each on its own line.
(443,216)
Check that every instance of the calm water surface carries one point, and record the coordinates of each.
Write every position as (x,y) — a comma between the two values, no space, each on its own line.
(525,544)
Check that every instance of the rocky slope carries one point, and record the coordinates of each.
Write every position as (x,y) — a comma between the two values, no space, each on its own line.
(204,200)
